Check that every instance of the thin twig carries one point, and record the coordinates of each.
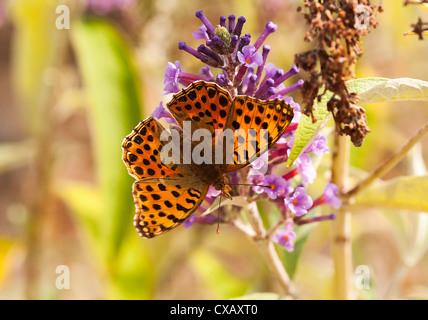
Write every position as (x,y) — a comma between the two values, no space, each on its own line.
(237,223)
(388,164)
(279,223)
(266,246)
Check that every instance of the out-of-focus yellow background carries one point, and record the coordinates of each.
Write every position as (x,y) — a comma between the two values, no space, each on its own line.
(67,99)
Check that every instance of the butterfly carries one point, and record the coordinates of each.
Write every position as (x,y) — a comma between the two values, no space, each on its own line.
(166,194)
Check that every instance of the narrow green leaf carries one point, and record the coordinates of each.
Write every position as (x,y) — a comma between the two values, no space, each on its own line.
(87,205)
(395,89)
(408,193)
(112,88)
(35,46)
(363,84)
(291,259)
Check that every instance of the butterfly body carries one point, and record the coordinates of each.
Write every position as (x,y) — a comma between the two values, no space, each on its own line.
(166,194)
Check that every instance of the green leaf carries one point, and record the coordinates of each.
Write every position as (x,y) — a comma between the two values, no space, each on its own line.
(35,46)
(112,88)
(395,89)
(408,193)
(87,205)
(363,84)
(291,259)
(308,130)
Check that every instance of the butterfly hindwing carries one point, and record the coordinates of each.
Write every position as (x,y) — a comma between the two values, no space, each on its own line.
(164,203)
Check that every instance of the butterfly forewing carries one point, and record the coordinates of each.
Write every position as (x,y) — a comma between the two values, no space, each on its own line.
(142,151)
(258,124)
(205,105)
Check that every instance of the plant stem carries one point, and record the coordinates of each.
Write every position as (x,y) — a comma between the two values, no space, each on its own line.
(341,227)
(267,248)
(388,164)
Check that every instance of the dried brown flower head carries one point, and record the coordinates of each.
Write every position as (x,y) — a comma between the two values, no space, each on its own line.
(335,26)
(420,27)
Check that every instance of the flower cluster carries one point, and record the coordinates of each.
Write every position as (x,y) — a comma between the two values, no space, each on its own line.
(243,68)
(244,71)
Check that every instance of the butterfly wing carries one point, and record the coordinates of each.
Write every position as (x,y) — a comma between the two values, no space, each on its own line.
(142,151)
(164,195)
(164,203)
(251,117)
(205,104)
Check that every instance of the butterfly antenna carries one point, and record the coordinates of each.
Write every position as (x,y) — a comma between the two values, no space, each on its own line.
(218,216)
(248,184)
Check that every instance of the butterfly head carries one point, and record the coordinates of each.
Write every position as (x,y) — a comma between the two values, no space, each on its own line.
(222,184)
(226,189)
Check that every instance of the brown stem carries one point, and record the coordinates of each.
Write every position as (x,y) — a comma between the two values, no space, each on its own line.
(341,227)
(388,164)
(267,248)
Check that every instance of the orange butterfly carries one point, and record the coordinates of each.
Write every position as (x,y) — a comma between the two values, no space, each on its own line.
(165,195)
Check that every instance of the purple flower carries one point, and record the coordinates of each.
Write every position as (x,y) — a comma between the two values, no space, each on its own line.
(256,179)
(212,192)
(330,193)
(318,146)
(296,107)
(250,57)
(276,186)
(299,202)
(206,219)
(304,166)
(261,163)
(201,34)
(270,27)
(329,196)
(172,73)
(160,113)
(300,221)
(288,143)
(270,70)
(205,71)
(285,237)
(228,48)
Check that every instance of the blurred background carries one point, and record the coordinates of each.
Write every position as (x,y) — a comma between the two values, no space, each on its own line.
(69,96)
